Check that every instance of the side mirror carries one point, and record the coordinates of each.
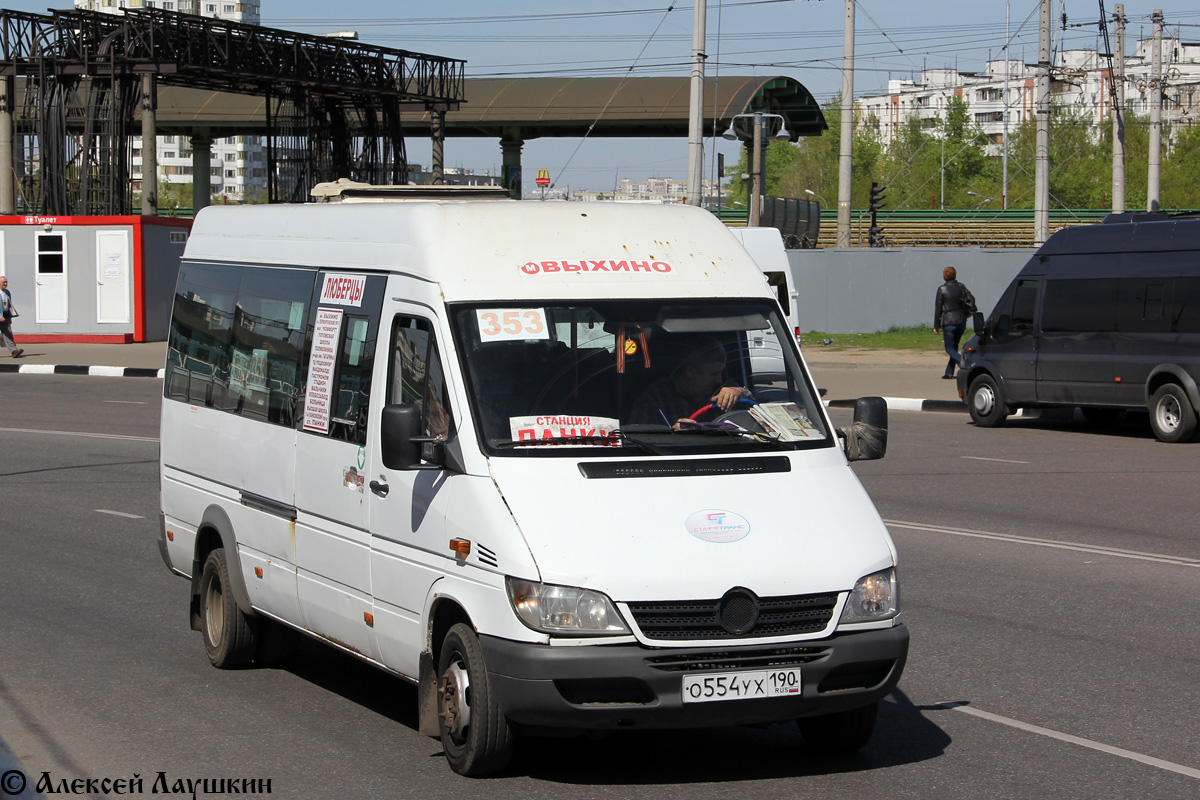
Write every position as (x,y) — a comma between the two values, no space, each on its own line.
(400,427)
(978,323)
(866,438)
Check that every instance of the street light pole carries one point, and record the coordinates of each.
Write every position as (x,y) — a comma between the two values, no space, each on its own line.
(756,174)
(756,159)
(695,190)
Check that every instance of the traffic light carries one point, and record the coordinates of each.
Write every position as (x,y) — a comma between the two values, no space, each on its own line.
(876,233)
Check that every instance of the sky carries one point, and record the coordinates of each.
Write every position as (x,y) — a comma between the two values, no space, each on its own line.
(800,39)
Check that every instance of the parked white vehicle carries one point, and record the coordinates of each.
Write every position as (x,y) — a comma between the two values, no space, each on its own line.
(442,436)
(765,246)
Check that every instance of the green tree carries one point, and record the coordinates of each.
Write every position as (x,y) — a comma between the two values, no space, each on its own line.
(926,150)
(1181,171)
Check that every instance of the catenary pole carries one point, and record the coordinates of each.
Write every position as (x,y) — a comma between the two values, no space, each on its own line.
(1118,78)
(1156,94)
(1041,172)
(696,109)
(845,153)
(1004,112)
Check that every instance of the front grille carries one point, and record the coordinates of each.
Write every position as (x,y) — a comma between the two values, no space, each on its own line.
(738,659)
(720,618)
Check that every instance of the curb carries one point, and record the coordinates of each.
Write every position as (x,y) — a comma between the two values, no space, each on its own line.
(72,369)
(908,404)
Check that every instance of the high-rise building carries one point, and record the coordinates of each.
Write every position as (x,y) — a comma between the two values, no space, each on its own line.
(239,163)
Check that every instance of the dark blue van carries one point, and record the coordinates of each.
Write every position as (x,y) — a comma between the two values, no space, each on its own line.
(1103,317)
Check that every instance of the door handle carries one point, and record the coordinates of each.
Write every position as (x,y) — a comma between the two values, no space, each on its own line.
(380,489)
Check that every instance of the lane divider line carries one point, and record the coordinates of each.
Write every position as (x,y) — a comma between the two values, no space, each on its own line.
(82,433)
(119,514)
(1151,761)
(1029,540)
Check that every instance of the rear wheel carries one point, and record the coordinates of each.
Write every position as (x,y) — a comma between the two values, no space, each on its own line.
(1172,417)
(475,734)
(985,402)
(228,637)
(843,732)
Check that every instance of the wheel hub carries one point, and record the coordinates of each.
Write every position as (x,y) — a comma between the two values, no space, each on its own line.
(1169,414)
(452,692)
(984,400)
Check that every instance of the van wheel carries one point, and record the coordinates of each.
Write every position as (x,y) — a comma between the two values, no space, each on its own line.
(1172,417)
(843,732)
(228,638)
(985,402)
(475,734)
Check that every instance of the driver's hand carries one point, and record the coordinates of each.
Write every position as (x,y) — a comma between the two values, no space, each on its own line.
(727,397)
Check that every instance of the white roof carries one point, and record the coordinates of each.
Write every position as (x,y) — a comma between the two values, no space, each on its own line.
(495,250)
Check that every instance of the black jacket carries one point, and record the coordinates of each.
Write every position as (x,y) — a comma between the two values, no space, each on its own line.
(952,305)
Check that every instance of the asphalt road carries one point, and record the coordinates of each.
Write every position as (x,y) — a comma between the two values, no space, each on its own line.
(1050,577)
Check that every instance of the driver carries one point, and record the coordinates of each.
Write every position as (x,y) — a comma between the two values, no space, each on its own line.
(696,382)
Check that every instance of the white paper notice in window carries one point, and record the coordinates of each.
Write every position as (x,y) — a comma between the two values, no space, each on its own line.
(318,400)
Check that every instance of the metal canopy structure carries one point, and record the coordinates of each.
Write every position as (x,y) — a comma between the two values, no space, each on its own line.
(537,107)
(332,107)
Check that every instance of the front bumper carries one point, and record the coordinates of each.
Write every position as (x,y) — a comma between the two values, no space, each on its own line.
(632,686)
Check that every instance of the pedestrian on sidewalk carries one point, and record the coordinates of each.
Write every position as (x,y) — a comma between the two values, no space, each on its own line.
(952,305)
(7,312)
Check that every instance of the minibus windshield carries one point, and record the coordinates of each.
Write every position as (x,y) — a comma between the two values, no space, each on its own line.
(655,376)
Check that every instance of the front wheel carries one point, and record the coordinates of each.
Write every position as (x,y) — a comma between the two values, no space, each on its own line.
(985,402)
(229,639)
(1172,417)
(475,734)
(843,732)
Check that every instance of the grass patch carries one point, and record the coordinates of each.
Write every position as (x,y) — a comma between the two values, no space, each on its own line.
(913,337)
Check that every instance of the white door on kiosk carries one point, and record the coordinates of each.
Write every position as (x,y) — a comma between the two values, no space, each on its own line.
(112,276)
(51,266)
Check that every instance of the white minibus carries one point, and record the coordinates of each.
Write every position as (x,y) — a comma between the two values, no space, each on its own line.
(518,454)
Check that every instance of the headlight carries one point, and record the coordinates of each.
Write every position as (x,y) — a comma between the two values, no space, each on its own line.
(564,609)
(875,597)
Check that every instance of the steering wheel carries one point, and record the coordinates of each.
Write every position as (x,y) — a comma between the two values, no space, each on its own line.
(699,412)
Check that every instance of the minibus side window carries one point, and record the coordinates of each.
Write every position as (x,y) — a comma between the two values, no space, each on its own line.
(199,344)
(1086,305)
(417,377)
(1186,306)
(268,338)
(1023,307)
(358,331)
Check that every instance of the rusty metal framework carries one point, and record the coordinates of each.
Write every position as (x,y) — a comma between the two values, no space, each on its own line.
(333,106)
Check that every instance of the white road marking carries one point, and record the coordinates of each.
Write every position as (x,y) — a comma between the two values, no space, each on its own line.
(128,402)
(1082,548)
(1170,766)
(119,514)
(81,433)
(973,458)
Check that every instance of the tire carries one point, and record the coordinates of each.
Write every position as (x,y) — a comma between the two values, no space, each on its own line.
(228,636)
(843,732)
(1172,417)
(985,402)
(475,734)
(1101,417)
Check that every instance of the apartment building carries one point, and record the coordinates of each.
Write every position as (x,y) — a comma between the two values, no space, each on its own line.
(238,167)
(1082,82)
